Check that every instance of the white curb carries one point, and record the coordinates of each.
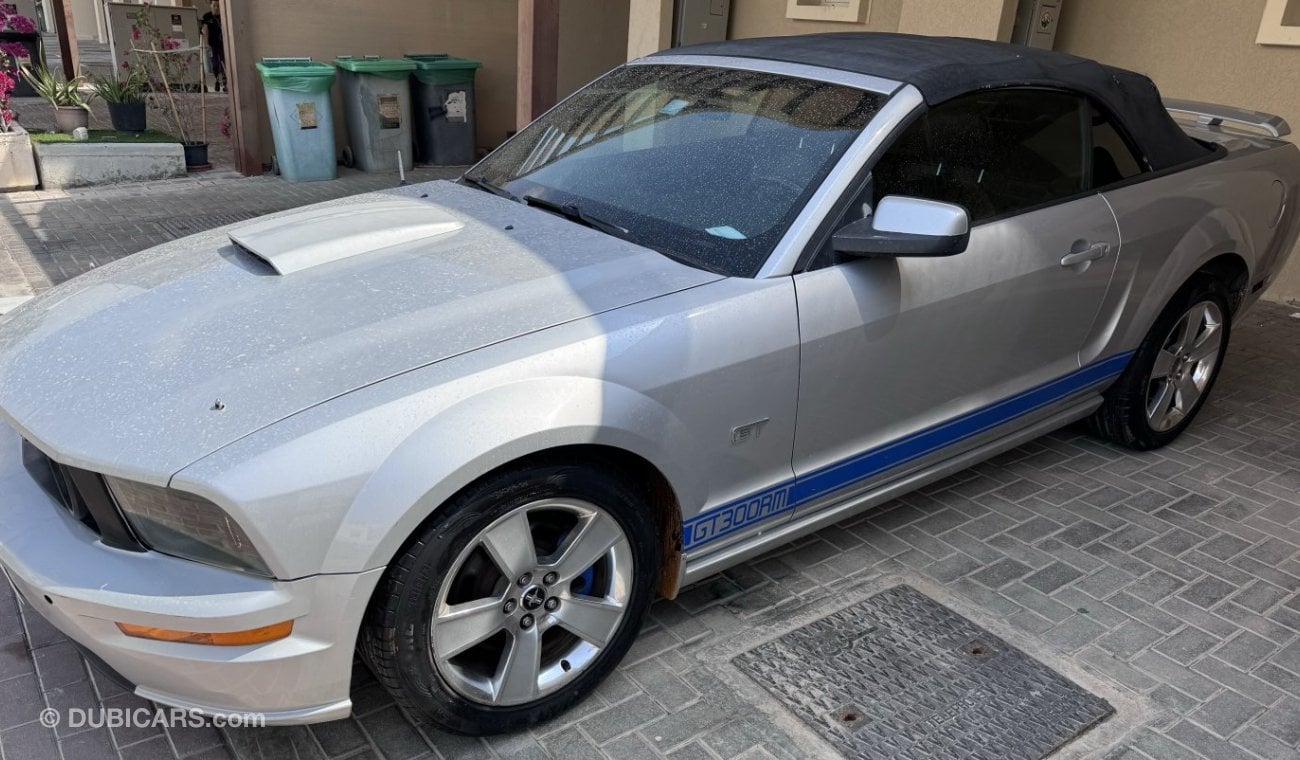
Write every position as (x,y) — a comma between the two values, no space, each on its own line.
(9,304)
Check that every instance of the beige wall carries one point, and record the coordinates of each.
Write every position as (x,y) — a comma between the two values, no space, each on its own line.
(1205,54)
(766,18)
(985,19)
(988,19)
(593,39)
(479,29)
(83,18)
(650,27)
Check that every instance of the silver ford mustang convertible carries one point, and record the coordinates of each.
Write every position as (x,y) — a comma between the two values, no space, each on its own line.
(719,298)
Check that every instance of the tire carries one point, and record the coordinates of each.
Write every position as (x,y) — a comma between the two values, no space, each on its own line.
(423,633)
(1132,412)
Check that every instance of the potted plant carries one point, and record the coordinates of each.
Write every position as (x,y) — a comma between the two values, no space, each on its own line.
(21,44)
(71,105)
(168,66)
(125,98)
(17,162)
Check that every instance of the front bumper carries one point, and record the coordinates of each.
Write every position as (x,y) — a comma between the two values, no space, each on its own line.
(85,588)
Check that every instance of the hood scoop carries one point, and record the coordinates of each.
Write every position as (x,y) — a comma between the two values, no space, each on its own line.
(295,242)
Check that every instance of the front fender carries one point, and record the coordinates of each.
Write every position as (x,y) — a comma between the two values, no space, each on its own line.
(494,428)
(338,489)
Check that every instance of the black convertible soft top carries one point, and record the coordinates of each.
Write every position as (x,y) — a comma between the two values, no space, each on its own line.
(943,68)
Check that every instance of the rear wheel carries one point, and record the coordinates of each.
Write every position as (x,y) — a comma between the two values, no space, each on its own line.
(1172,372)
(516,600)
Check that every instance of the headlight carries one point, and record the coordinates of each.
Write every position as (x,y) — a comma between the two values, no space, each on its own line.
(187,526)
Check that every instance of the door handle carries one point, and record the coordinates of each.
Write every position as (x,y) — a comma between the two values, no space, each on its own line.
(1091,253)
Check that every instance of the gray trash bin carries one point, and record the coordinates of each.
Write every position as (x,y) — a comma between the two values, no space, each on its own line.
(302,119)
(442,93)
(377,104)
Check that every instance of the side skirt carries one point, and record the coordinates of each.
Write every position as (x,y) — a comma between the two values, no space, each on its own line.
(715,562)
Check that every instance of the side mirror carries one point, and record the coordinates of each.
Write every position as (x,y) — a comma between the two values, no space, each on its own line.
(903,226)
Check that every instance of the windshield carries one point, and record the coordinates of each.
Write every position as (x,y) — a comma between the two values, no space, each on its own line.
(706,165)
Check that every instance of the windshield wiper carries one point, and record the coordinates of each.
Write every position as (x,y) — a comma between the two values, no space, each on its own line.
(574,213)
(484,184)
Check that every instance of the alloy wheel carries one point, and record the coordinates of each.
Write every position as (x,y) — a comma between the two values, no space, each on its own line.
(1184,366)
(531,602)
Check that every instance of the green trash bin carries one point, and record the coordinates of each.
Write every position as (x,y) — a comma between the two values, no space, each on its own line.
(442,94)
(302,118)
(377,103)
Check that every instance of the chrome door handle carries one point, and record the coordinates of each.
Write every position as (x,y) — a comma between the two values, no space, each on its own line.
(1091,253)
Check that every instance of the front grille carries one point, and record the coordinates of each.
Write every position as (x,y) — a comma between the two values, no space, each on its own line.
(83,494)
(56,480)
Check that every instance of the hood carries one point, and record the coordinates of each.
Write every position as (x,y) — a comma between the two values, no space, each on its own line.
(121,369)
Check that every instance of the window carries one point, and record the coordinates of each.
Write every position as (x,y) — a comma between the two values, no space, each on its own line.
(706,165)
(993,153)
(1280,24)
(829,10)
(1112,158)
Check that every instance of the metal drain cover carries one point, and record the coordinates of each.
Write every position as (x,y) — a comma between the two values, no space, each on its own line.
(901,676)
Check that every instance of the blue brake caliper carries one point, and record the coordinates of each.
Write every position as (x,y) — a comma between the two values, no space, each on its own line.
(585,581)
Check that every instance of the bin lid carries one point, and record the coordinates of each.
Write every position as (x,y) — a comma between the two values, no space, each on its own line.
(283,68)
(436,61)
(375,65)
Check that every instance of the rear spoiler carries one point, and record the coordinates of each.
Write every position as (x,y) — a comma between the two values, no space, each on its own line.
(1213,115)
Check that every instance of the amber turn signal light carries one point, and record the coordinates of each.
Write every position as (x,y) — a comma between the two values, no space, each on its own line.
(235,639)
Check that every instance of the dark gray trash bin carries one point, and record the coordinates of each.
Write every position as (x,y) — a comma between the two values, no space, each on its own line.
(377,104)
(442,94)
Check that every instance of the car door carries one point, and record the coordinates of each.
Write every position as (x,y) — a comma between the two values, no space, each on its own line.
(906,361)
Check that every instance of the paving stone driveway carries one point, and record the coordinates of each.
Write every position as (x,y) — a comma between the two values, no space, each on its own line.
(1166,581)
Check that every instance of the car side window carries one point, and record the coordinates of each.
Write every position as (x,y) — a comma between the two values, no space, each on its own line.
(993,153)
(1112,158)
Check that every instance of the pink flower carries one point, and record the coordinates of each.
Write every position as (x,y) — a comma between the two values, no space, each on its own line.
(170,44)
(135,33)
(21,24)
(126,64)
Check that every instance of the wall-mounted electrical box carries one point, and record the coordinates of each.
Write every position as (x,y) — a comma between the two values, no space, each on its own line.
(696,21)
(1036,22)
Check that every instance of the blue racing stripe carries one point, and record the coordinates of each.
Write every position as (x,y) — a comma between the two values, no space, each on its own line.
(788,495)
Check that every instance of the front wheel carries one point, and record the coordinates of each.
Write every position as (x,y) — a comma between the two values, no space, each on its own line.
(516,600)
(1171,374)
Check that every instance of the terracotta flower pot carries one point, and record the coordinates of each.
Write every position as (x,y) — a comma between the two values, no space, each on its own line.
(69,119)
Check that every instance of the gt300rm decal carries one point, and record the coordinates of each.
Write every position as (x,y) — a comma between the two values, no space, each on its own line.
(737,515)
(785,497)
